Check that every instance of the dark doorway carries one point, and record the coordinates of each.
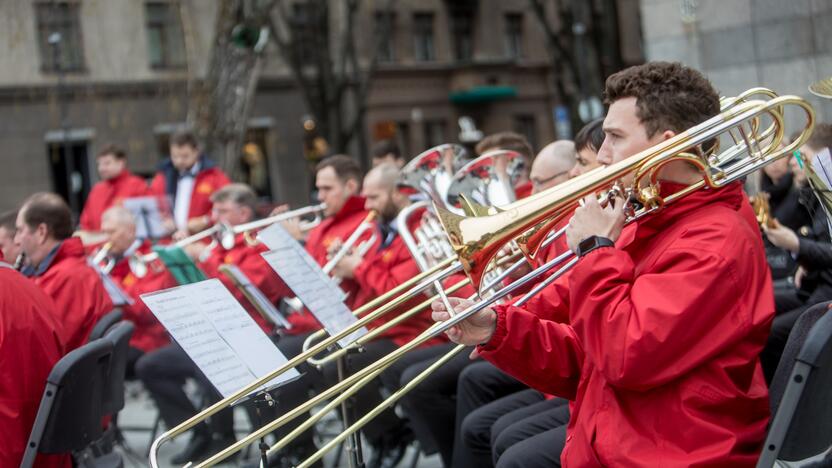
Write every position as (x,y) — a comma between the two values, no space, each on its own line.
(70,170)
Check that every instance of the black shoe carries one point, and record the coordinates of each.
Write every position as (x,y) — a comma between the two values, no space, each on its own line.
(390,451)
(198,447)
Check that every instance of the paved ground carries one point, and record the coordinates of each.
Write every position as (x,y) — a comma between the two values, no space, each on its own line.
(139,414)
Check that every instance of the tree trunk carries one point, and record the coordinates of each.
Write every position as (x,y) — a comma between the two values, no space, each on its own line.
(220,102)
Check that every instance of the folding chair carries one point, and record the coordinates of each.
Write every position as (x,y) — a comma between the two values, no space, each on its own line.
(104,323)
(801,430)
(69,416)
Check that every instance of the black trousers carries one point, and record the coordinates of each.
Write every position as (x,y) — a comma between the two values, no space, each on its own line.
(163,372)
(532,436)
(479,384)
(789,306)
(431,406)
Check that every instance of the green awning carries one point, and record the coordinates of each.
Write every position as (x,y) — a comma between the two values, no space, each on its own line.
(482,94)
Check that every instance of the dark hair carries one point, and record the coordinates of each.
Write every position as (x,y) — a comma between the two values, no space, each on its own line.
(184,137)
(821,137)
(506,141)
(112,149)
(669,96)
(8,220)
(590,136)
(385,147)
(240,194)
(345,167)
(49,209)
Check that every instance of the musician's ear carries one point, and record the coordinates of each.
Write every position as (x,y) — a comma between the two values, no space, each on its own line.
(42,233)
(352,186)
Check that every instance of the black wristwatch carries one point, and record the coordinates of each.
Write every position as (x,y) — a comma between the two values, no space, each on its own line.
(593,242)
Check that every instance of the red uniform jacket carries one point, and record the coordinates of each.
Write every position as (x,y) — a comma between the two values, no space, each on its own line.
(148,333)
(382,270)
(76,289)
(30,345)
(107,193)
(338,227)
(661,357)
(250,262)
(208,181)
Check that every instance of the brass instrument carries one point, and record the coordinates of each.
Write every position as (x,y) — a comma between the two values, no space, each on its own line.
(822,88)
(103,260)
(477,240)
(431,171)
(19,261)
(762,210)
(139,263)
(488,180)
(366,225)
(227,234)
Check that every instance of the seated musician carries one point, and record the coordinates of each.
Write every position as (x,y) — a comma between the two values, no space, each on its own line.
(164,371)
(58,264)
(381,269)
(437,428)
(810,247)
(117,183)
(148,335)
(30,345)
(188,178)
(666,316)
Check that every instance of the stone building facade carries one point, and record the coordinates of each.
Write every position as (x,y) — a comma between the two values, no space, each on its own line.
(784,45)
(124,79)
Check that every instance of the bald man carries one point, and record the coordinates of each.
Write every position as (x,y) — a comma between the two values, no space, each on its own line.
(380,270)
(552,165)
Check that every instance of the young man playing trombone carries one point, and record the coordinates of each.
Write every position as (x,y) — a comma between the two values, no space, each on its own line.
(667,315)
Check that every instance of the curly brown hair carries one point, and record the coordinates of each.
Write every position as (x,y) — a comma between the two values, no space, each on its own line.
(669,96)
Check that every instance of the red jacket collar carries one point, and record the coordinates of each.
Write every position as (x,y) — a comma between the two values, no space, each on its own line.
(354,204)
(120,177)
(731,196)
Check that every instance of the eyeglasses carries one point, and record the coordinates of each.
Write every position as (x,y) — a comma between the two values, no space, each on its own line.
(538,182)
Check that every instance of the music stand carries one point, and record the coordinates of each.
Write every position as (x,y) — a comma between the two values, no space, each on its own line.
(149,213)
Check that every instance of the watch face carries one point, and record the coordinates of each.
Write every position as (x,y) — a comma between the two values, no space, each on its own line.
(586,244)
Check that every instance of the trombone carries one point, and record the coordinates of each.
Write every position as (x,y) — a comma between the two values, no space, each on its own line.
(477,240)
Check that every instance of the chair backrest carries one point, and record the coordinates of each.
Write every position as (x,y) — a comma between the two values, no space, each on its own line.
(119,335)
(104,323)
(70,411)
(801,429)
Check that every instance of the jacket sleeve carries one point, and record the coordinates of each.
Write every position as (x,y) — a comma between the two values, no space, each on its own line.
(814,255)
(263,277)
(543,354)
(157,185)
(644,331)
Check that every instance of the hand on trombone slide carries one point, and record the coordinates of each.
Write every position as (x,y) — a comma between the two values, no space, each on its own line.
(473,331)
(592,219)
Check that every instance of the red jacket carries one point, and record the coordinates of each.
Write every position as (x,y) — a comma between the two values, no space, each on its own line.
(30,345)
(382,270)
(661,357)
(148,333)
(107,193)
(209,179)
(77,291)
(338,227)
(250,262)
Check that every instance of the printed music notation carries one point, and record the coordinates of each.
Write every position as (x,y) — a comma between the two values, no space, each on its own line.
(317,291)
(218,335)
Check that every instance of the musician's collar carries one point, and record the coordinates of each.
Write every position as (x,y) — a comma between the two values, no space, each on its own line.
(44,265)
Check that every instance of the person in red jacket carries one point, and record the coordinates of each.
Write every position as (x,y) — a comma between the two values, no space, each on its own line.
(58,264)
(148,335)
(30,345)
(8,248)
(188,179)
(117,183)
(338,182)
(666,316)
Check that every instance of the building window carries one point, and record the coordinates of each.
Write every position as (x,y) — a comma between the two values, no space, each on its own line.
(165,42)
(462,33)
(423,49)
(525,125)
(434,133)
(384,36)
(514,35)
(59,36)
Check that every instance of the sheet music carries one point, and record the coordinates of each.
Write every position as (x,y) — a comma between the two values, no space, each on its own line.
(148,215)
(306,279)
(218,335)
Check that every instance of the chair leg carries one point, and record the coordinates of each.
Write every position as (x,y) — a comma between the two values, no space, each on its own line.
(417,453)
